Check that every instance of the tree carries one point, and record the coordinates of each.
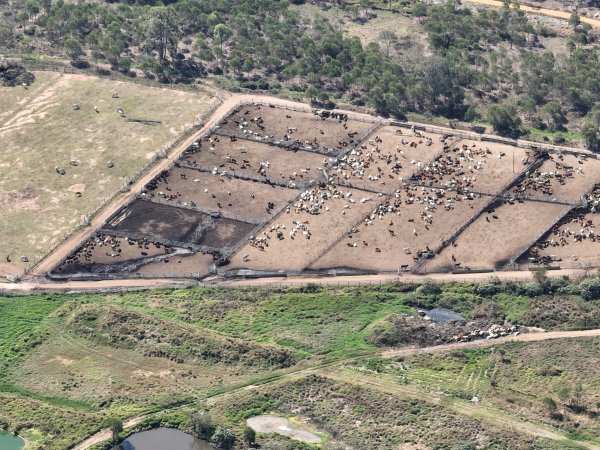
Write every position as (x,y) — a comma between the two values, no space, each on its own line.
(74,49)
(554,115)
(592,136)
(577,397)
(222,33)
(590,289)
(201,424)
(311,92)
(387,39)
(504,120)
(161,31)
(249,436)
(116,426)
(223,438)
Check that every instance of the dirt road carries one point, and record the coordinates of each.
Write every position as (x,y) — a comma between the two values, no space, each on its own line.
(525,337)
(535,10)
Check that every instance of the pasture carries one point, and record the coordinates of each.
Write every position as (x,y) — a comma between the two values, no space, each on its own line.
(42,133)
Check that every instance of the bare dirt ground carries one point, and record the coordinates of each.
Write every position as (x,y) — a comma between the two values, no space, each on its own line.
(386,159)
(258,160)
(174,267)
(396,239)
(496,235)
(156,221)
(565,177)
(104,249)
(308,130)
(535,10)
(314,233)
(476,166)
(247,199)
(570,243)
(40,132)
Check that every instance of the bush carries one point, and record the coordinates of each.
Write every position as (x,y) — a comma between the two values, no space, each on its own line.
(590,289)
(429,287)
(223,438)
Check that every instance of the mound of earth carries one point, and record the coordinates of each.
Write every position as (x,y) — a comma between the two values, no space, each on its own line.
(161,339)
(402,329)
(12,75)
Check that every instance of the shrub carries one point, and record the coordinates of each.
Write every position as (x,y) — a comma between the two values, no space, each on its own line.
(590,289)
(429,287)
(223,438)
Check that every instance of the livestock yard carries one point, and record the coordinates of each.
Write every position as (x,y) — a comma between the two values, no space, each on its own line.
(276,190)
(69,142)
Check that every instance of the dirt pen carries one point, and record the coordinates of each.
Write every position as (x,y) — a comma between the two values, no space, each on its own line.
(497,235)
(257,161)
(309,131)
(283,191)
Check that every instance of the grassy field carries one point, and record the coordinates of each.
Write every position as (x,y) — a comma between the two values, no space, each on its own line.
(86,358)
(518,378)
(40,131)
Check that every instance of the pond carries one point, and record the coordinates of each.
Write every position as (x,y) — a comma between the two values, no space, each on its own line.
(275,424)
(162,439)
(9,441)
(444,315)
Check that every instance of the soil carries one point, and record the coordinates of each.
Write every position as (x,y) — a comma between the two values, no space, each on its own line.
(247,199)
(576,176)
(160,222)
(381,246)
(310,130)
(283,165)
(489,241)
(299,252)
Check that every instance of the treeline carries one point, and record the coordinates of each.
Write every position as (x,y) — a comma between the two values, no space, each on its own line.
(473,73)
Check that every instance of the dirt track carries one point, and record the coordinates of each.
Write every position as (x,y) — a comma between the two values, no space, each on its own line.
(542,11)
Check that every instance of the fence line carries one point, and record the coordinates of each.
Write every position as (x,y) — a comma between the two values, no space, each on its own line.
(207,211)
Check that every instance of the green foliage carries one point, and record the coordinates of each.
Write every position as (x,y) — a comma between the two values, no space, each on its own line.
(116,426)
(249,436)
(223,438)
(505,120)
(429,287)
(590,289)
(201,424)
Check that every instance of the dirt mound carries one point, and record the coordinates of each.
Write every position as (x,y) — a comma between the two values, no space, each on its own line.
(12,75)
(401,329)
(157,338)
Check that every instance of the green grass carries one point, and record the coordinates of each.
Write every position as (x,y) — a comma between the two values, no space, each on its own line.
(327,322)
(537,134)
(22,326)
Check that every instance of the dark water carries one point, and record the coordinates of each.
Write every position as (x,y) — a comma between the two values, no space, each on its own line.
(11,442)
(444,315)
(163,439)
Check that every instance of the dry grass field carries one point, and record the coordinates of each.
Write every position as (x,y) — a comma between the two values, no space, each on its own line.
(40,132)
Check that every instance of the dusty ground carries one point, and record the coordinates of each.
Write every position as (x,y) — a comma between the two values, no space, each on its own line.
(247,199)
(267,423)
(394,240)
(156,221)
(283,165)
(476,166)
(104,249)
(569,251)
(386,159)
(491,240)
(174,267)
(305,128)
(565,177)
(298,252)
(40,131)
